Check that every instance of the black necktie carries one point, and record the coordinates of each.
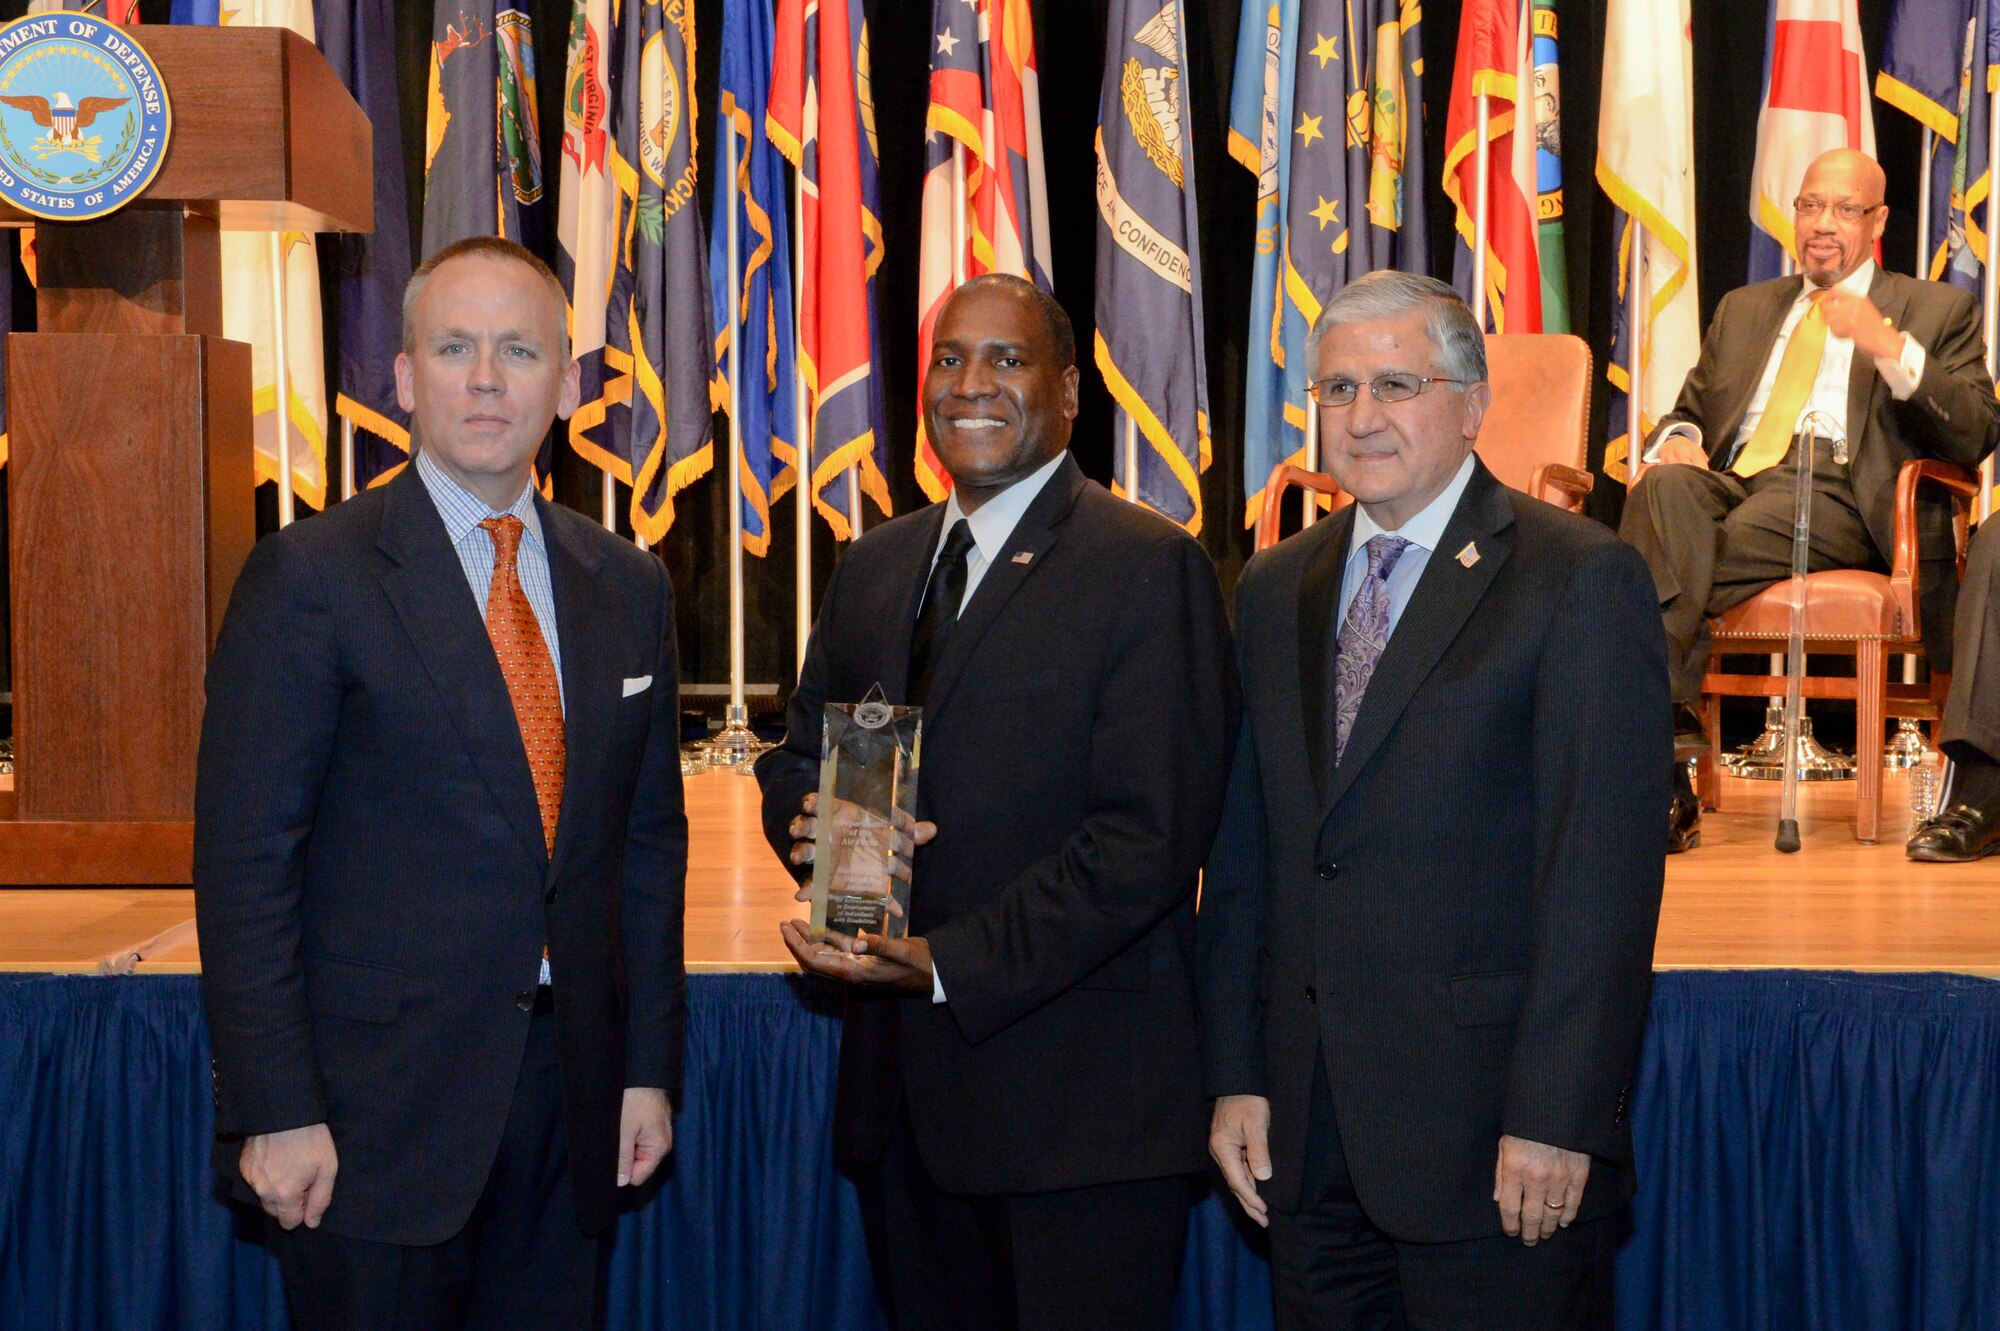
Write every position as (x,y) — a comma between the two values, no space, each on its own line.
(941,599)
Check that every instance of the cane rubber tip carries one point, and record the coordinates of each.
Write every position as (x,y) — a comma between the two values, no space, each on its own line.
(1788,835)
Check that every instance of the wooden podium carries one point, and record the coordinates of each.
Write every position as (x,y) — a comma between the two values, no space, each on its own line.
(131,482)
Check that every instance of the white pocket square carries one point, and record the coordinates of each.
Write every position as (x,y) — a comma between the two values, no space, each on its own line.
(638,684)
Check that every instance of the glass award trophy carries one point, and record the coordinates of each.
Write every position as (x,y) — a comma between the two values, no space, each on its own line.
(867,808)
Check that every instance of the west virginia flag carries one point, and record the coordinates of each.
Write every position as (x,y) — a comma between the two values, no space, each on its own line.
(761,278)
(1815,99)
(1149,328)
(986,100)
(358,39)
(1326,109)
(1937,68)
(647,413)
(262,274)
(822,117)
(482,133)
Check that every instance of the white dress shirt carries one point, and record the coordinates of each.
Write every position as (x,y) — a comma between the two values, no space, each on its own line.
(992,525)
(1423,532)
(1901,373)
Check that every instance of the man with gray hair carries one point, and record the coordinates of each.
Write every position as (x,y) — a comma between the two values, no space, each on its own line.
(1426,929)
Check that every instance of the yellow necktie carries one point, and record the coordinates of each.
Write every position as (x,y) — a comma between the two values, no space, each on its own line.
(1772,438)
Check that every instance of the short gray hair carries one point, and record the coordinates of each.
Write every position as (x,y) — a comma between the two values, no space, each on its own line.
(1448,321)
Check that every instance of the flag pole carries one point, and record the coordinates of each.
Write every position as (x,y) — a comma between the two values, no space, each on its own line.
(957,213)
(736,705)
(735,745)
(1635,337)
(1308,502)
(1989,290)
(281,400)
(609,492)
(802,562)
(346,458)
(1131,456)
(1924,206)
(1482,194)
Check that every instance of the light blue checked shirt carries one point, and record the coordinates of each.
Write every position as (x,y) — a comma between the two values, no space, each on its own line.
(462,512)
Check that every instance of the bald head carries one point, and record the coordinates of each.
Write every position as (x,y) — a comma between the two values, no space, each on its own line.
(1831,246)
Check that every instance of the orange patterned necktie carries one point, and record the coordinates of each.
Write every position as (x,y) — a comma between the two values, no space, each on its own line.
(529,671)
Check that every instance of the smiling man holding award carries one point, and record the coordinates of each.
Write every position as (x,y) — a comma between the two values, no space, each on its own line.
(1019,1096)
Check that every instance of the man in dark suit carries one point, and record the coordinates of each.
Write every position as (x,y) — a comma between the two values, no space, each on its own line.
(1967,824)
(1426,929)
(440,850)
(1890,364)
(1018,1083)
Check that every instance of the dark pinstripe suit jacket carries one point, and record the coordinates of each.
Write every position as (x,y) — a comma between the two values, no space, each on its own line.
(370,876)
(1461,914)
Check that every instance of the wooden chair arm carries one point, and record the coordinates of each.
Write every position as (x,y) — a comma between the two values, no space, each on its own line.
(1963,486)
(1572,482)
(1283,475)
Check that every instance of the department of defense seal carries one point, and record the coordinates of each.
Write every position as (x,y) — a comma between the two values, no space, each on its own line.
(84,117)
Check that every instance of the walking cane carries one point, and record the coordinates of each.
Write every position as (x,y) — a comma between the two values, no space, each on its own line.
(1795,647)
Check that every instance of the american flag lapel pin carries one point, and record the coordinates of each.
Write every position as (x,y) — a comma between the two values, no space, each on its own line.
(1469,555)
(1024,556)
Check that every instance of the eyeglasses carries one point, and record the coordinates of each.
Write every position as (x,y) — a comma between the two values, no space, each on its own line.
(1808,206)
(1394,386)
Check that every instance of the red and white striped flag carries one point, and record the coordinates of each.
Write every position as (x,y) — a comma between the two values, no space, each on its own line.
(986,97)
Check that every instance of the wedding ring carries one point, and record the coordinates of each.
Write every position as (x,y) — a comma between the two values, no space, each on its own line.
(1553,1205)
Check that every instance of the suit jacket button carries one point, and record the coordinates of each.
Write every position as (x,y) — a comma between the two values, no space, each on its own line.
(551,897)
(525,1000)
(1312,994)
(1327,870)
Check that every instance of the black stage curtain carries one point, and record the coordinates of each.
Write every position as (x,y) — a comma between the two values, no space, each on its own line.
(1728,59)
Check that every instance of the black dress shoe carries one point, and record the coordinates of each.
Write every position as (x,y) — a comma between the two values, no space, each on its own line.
(1683,823)
(1961,833)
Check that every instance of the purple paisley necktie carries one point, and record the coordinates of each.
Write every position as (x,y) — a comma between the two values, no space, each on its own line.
(1362,637)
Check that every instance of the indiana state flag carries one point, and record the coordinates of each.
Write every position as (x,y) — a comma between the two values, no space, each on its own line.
(760,280)
(1149,329)
(650,420)
(1327,103)
(358,38)
(482,133)
(1936,68)
(822,117)
(270,299)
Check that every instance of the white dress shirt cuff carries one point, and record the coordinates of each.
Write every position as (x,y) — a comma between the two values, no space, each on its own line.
(937,985)
(1691,433)
(1904,372)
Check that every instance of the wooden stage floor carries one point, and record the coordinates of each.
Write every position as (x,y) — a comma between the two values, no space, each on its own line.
(1736,902)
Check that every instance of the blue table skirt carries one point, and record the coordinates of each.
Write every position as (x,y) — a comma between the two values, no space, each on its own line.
(1815,1151)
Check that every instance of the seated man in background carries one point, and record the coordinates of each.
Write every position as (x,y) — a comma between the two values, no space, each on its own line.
(1893,365)
(1967,824)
